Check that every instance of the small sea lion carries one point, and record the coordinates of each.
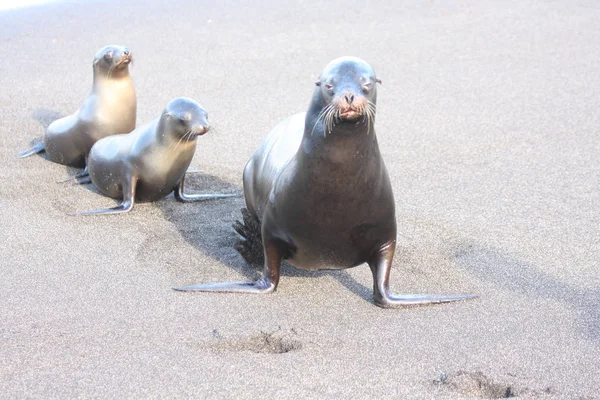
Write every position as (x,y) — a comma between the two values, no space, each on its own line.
(150,162)
(109,108)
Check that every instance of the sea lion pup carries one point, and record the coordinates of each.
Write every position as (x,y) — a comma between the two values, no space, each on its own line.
(150,162)
(319,191)
(108,109)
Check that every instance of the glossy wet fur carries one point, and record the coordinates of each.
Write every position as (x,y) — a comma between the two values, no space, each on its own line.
(320,189)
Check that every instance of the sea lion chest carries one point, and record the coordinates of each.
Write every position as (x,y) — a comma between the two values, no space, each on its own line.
(333,211)
(159,168)
(115,107)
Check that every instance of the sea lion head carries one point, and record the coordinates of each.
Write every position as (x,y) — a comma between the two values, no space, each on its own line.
(347,92)
(112,60)
(184,119)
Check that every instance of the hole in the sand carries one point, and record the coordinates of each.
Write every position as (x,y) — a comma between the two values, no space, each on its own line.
(277,342)
(475,384)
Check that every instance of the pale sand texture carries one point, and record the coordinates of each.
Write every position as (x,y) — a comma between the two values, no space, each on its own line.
(488,119)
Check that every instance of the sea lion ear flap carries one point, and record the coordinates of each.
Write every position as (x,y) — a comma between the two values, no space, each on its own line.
(378,80)
(318,82)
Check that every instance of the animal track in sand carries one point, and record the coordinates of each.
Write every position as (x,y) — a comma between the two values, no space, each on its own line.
(477,384)
(277,342)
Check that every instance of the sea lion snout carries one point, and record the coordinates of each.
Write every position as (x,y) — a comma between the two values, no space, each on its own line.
(200,129)
(125,58)
(351,105)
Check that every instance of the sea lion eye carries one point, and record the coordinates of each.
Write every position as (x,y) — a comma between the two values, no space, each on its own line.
(328,86)
(108,55)
(367,86)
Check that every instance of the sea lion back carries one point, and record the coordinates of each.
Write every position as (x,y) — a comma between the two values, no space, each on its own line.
(269,160)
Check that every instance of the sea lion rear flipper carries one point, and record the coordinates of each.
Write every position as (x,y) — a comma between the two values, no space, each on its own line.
(250,246)
(36,148)
(380,264)
(266,284)
(125,206)
(187,198)
(77,177)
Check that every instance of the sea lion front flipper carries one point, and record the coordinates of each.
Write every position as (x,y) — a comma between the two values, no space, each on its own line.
(125,206)
(77,177)
(181,196)
(266,284)
(380,264)
(36,148)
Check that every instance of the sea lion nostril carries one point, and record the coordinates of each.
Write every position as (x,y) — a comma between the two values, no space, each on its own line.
(349,98)
(126,52)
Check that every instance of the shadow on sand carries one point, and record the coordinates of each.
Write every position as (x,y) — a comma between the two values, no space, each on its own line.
(207,226)
(524,278)
(45,117)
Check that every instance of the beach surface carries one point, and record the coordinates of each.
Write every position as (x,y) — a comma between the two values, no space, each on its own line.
(488,120)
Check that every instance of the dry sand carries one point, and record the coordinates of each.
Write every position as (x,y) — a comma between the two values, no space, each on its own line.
(489,124)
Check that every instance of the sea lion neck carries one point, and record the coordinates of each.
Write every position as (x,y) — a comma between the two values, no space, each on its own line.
(346,143)
(115,75)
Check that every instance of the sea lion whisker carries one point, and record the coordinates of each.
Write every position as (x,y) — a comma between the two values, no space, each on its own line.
(320,116)
(327,115)
(182,138)
(371,106)
(334,115)
(174,145)
(329,121)
(335,119)
(190,135)
(371,109)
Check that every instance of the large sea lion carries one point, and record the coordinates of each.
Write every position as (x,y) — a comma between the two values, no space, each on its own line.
(319,191)
(109,108)
(150,162)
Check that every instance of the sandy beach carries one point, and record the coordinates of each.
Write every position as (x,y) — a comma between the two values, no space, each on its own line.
(488,120)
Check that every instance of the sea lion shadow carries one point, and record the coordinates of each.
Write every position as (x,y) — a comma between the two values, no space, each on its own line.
(341,276)
(207,226)
(45,117)
(71,171)
(525,278)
